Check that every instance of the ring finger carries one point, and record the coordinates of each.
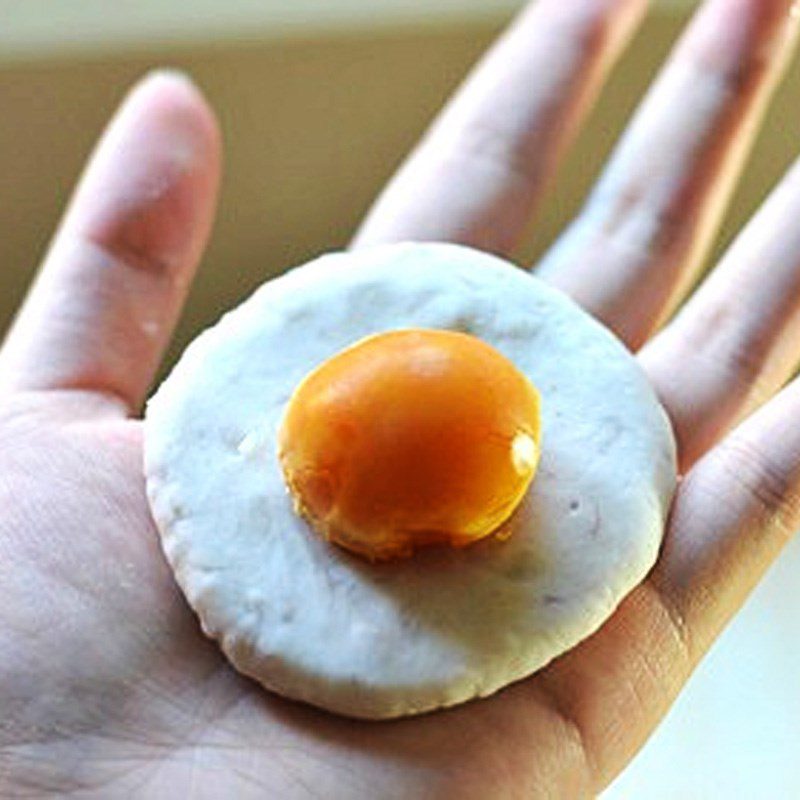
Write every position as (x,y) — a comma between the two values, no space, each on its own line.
(739,335)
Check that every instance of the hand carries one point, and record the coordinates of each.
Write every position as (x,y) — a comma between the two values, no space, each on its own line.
(107,687)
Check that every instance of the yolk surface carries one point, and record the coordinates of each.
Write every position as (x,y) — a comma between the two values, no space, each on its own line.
(410,438)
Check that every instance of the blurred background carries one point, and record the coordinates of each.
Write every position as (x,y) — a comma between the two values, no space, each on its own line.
(319,100)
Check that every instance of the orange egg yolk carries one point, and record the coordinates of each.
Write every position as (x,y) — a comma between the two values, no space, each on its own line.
(410,438)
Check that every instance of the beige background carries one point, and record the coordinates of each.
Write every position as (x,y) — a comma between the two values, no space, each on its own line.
(313,125)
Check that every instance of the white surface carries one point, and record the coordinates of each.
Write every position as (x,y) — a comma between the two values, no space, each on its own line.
(47,28)
(43,28)
(448,624)
(734,734)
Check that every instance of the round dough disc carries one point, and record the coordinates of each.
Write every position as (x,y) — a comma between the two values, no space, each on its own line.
(313,622)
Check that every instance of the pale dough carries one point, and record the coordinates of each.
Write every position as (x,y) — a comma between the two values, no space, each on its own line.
(311,621)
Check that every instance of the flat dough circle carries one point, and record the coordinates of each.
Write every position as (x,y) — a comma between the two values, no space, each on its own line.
(312,622)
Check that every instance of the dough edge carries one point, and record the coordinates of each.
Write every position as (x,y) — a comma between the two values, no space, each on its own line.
(343,698)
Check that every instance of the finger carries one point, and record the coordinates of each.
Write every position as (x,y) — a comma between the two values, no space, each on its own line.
(105,302)
(738,507)
(739,335)
(477,175)
(735,510)
(636,247)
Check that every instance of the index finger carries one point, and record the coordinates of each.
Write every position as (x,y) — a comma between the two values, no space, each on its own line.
(477,175)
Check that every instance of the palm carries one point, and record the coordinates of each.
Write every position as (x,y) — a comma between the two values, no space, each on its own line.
(154,697)
(150,697)
(107,685)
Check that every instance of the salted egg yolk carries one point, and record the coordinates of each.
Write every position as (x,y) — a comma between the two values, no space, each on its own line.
(410,438)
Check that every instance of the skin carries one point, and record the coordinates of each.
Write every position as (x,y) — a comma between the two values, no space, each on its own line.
(107,687)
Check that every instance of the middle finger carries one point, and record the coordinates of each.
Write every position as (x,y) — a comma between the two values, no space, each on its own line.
(636,247)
